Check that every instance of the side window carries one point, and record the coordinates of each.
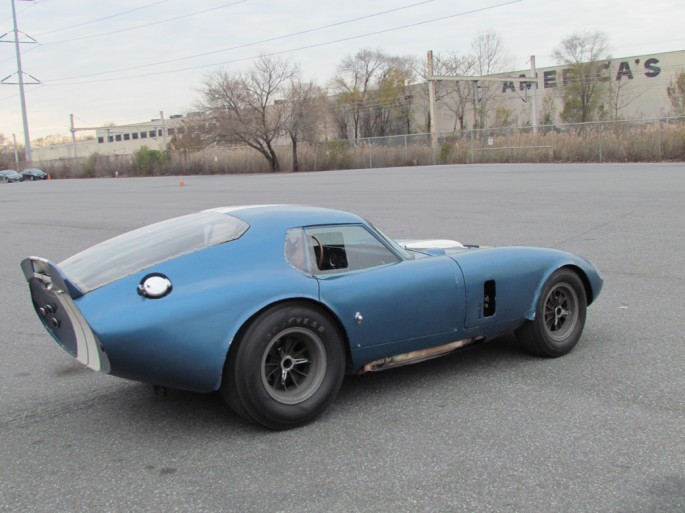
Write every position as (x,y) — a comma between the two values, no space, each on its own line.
(337,249)
(296,249)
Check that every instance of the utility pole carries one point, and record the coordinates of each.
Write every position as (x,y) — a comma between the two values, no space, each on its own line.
(20,75)
(73,134)
(161,116)
(534,92)
(431,107)
(476,89)
(73,129)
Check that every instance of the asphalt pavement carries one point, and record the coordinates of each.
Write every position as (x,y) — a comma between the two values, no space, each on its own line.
(490,429)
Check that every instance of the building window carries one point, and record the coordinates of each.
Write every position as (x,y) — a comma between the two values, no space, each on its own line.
(111,138)
(171,131)
(159,132)
(143,135)
(101,140)
(153,133)
(127,137)
(134,135)
(118,137)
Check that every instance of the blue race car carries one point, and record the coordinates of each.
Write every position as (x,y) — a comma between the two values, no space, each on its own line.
(273,304)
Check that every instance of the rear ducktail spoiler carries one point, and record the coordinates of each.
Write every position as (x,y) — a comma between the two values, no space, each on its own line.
(53,297)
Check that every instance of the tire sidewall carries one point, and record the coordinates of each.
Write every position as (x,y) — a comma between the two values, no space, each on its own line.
(548,344)
(250,389)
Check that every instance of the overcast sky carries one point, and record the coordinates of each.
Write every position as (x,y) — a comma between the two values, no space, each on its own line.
(125,61)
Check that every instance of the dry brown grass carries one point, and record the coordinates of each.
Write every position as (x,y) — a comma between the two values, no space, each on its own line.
(610,142)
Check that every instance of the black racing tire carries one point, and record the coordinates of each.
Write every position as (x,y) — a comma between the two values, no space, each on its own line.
(559,316)
(286,368)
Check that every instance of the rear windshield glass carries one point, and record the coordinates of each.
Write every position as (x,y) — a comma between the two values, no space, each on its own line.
(142,248)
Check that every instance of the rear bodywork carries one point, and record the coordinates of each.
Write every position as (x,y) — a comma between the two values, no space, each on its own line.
(418,303)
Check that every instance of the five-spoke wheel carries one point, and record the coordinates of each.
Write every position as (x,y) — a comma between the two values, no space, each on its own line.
(293,365)
(286,368)
(559,316)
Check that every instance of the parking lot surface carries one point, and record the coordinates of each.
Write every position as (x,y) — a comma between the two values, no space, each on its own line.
(486,430)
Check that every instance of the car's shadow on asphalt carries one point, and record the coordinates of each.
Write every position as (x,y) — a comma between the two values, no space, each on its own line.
(179,411)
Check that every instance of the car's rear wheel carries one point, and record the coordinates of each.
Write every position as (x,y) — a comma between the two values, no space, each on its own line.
(559,316)
(286,368)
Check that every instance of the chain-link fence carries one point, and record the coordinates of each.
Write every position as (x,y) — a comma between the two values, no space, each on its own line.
(615,141)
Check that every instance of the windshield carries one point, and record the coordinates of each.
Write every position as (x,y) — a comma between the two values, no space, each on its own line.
(399,249)
(142,248)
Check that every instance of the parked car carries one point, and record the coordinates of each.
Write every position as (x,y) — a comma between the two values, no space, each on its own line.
(10,175)
(272,305)
(33,173)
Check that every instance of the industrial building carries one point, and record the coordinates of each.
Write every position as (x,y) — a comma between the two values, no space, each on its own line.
(636,89)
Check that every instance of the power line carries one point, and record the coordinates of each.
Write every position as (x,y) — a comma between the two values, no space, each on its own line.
(102,19)
(33,4)
(245,45)
(292,50)
(37,45)
(145,25)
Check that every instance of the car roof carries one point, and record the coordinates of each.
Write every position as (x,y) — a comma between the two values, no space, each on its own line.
(287,216)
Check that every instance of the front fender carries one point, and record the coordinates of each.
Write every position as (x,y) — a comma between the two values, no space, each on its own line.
(588,274)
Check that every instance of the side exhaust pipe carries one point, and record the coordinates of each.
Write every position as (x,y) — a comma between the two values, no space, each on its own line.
(390,362)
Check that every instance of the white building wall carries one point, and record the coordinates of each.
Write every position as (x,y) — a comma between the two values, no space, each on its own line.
(641,82)
(117,140)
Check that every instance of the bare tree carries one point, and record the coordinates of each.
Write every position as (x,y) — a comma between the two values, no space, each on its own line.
(392,98)
(489,57)
(351,88)
(6,156)
(585,54)
(456,96)
(243,105)
(676,94)
(620,95)
(371,95)
(305,111)
(548,112)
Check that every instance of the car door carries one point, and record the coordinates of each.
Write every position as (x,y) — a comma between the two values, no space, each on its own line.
(381,298)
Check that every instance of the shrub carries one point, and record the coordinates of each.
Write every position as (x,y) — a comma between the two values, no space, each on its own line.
(148,162)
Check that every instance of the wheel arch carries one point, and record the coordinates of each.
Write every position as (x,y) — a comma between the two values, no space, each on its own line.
(301,300)
(589,295)
(582,275)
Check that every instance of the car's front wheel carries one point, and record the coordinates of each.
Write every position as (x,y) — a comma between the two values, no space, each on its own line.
(559,316)
(286,367)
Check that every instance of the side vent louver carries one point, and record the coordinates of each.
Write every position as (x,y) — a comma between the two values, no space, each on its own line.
(489,298)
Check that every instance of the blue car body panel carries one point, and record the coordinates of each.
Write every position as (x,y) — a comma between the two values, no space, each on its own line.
(411,303)
(425,299)
(214,295)
(519,273)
